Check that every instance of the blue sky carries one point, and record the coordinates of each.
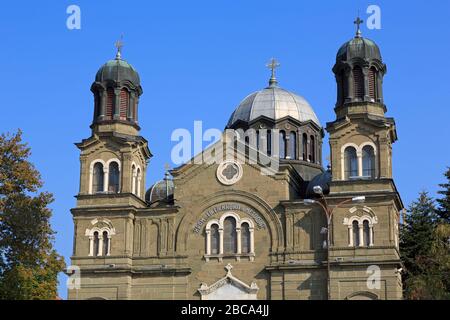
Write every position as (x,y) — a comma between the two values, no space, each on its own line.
(198,59)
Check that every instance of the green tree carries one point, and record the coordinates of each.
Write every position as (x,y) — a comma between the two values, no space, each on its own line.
(444,202)
(29,264)
(416,239)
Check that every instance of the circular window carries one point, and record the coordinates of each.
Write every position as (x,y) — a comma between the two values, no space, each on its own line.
(229,172)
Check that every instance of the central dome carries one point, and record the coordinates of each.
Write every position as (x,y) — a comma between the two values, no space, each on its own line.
(275,103)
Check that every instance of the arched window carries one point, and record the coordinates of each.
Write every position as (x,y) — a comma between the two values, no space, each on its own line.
(109,103)
(124,102)
(245,238)
(269,142)
(282,145)
(293,145)
(305,147)
(368,161)
(229,235)
(215,239)
(372,83)
(138,182)
(366,233)
(96,244)
(355,228)
(105,244)
(97,179)
(350,163)
(358,83)
(97,106)
(257,140)
(113,185)
(312,148)
(133,179)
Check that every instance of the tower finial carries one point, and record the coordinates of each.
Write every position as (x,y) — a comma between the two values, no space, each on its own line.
(119,46)
(358,21)
(272,65)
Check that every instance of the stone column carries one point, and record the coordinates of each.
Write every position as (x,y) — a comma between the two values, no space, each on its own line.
(126,174)
(91,246)
(130,109)
(349,75)
(102,106)
(252,240)
(105,178)
(371,236)
(84,171)
(350,235)
(208,242)
(361,235)
(365,71)
(238,235)
(360,163)
(221,241)
(116,104)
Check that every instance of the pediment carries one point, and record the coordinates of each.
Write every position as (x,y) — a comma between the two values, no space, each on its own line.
(206,158)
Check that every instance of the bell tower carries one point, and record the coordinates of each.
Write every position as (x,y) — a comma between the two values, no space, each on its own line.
(361,137)
(113,166)
(364,237)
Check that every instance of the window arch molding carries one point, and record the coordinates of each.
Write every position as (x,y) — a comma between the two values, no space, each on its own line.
(359,155)
(100,227)
(372,221)
(220,223)
(91,173)
(136,178)
(108,163)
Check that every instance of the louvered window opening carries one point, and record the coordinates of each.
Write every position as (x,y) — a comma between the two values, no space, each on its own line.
(358,79)
(124,101)
(372,81)
(109,103)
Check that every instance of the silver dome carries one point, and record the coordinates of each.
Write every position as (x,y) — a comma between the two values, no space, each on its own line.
(274,103)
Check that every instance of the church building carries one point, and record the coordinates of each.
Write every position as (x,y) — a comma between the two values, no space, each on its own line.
(242,229)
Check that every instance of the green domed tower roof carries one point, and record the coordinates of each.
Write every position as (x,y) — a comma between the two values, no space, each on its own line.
(359,47)
(118,70)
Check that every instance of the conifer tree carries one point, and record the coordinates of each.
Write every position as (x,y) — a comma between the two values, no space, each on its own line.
(444,202)
(416,239)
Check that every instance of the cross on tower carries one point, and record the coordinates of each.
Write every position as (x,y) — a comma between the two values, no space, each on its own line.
(358,22)
(119,45)
(272,65)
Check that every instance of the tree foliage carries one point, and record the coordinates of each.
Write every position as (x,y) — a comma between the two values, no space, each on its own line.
(425,247)
(29,265)
(444,202)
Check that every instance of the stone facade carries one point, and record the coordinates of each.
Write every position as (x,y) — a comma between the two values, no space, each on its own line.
(130,245)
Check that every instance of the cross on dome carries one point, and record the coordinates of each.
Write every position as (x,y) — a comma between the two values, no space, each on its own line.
(358,22)
(272,65)
(119,45)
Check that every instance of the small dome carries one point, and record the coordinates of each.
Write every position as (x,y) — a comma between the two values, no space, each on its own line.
(274,103)
(118,70)
(323,180)
(359,47)
(161,190)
